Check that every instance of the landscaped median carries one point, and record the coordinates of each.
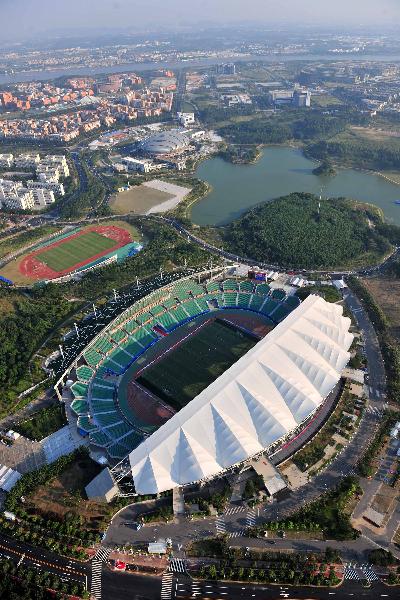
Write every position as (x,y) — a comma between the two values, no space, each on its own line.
(329,514)
(221,562)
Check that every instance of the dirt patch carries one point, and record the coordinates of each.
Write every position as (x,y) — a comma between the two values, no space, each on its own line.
(138,200)
(67,494)
(386,292)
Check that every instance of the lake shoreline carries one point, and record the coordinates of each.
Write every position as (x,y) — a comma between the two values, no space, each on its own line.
(278,170)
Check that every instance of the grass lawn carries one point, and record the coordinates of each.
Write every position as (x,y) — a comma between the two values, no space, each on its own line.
(74,251)
(196,363)
(42,423)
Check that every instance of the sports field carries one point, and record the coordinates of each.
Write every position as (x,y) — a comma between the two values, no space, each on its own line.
(75,250)
(183,373)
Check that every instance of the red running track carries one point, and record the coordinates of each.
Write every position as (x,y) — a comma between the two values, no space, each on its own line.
(32,267)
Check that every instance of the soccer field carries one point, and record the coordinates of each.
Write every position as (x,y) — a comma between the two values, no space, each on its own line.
(196,363)
(74,251)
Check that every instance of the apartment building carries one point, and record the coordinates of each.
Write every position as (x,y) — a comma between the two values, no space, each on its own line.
(54,186)
(26,161)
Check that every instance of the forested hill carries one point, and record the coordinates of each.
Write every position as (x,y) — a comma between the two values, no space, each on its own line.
(293,232)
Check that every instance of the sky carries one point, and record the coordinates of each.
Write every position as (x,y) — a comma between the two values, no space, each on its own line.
(24,17)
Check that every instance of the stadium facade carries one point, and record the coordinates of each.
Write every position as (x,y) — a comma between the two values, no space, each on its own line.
(260,400)
(165,143)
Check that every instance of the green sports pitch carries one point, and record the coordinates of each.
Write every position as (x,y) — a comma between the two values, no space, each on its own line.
(74,251)
(183,373)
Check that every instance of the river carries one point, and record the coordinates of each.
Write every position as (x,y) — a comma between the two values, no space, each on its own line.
(46,74)
(279,171)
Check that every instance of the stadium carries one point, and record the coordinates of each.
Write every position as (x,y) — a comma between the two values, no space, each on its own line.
(165,143)
(72,252)
(198,376)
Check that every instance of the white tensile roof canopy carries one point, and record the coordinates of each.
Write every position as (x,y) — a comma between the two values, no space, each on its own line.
(261,398)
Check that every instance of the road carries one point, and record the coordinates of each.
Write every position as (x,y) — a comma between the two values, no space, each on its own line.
(187,588)
(45,561)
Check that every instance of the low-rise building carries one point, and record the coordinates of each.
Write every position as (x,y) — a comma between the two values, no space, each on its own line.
(185,118)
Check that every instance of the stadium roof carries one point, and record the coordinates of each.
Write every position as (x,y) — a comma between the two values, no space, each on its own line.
(165,142)
(261,398)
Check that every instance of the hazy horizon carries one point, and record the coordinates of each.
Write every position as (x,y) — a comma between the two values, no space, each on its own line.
(24,18)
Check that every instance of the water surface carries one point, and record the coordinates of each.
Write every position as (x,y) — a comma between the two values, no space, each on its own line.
(279,171)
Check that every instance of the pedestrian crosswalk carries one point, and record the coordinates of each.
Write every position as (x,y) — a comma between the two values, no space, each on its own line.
(233,510)
(166,586)
(374,410)
(177,565)
(356,571)
(220,525)
(251,518)
(350,572)
(97,566)
(235,534)
(369,573)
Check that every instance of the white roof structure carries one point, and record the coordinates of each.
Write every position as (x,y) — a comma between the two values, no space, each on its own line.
(260,399)
(8,478)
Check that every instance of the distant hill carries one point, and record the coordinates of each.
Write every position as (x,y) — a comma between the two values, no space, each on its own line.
(293,231)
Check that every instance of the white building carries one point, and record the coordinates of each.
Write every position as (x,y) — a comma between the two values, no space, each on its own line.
(26,161)
(133,164)
(56,187)
(185,118)
(43,198)
(20,199)
(260,401)
(6,161)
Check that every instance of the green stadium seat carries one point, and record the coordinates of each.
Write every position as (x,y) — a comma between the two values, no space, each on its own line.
(292,302)
(220,300)
(246,286)
(213,286)
(80,407)
(278,294)
(269,306)
(132,347)
(103,345)
(191,308)
(263,288)
(243,300)
(179,314)
(256,302)
(132,440)
(118,335)
(118,451)
(169,303)
(79,389)
(144,317)
(102,393)
(119,430)
(144,336)
(107,419)
(101,406)
(280,313)
(84,373)
(99,438)
(86,424)
(202,304)
(230,299)
(121,358)
(92,357)
(157,310)
(230,285)
(131,326)
(167,321)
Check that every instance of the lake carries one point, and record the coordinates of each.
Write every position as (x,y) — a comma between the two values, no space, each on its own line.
(280,171)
